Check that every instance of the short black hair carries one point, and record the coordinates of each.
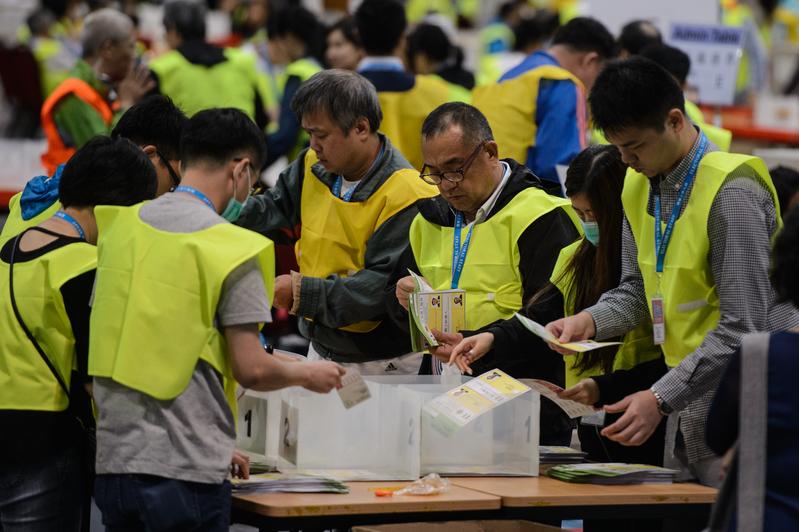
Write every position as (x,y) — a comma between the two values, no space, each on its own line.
(785,260)
(637,34)
(674,60)
(430,40)
(301,23)
(381,24)
(585,34)
(346,25)
(155,120)
(186,18)
(107,171)
(535,29)
(634,92)
(219,135)
(473,124)
(786,181)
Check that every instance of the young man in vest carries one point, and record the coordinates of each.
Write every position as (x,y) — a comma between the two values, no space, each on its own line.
(701,275)
(537,109)
(80,108)
(45,412)
(510,232)
(405,99)
(353,195)
(174,325)
(198,75)
(154,124)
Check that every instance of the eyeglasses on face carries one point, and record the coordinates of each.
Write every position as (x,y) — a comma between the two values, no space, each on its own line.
(453,176)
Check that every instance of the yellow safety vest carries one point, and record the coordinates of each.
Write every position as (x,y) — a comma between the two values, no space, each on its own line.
(405,112)
(15,224)
(26,383)
(193,88)
(154,310)
(637,346)
(303,69)
(335,232)
(719,136)
(490,276)
(691,304)
(510,107)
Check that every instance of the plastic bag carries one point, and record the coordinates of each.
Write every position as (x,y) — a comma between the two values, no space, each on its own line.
(432,484)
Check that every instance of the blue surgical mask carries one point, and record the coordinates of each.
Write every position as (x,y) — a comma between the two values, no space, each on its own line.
(591,230)
(234,207)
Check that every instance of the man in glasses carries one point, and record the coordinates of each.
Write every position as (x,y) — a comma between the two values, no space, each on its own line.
(493,232)
(354,195)
(154,124)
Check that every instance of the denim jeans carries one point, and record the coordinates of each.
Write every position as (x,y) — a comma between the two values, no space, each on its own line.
(131,502)
(43,496)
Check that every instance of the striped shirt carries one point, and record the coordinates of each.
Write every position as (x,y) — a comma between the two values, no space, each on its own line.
(742,221)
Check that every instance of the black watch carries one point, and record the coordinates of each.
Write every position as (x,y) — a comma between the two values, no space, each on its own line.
(663,406)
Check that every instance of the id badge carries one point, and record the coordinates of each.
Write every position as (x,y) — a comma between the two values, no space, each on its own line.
(658,320)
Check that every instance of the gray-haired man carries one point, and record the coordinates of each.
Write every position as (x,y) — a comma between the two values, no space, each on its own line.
(353,194)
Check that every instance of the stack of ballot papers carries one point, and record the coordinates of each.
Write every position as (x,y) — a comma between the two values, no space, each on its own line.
(612,473)
(277,482)
(443,310)
(553,454)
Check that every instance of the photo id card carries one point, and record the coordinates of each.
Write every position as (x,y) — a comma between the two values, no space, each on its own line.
(658,320)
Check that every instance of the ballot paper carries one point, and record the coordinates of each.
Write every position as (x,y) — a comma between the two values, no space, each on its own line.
(578,347)
(282,483)
(550,390)
(612,473)
(443,310)
(462,405)
(353,389)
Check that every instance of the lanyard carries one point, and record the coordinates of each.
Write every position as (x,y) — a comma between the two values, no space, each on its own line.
(458,251)
(662,241)
(72,221)
(197,194)
(337,190)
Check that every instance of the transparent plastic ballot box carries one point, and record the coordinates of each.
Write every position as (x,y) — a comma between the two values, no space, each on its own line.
(305,432)
(386,437)
(503,441)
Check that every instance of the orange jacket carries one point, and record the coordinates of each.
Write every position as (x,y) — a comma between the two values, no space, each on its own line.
(58,153)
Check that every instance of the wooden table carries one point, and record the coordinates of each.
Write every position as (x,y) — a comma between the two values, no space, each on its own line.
(282,511)
(541,498)
(544,498)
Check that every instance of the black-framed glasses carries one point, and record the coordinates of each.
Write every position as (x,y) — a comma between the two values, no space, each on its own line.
(453,176)
(172,174)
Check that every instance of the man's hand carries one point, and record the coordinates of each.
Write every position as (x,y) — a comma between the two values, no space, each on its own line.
(446,341)
(284,293)
(322,376)
(134,86)
(586,391)
(470,349)
(240,465)
(641,418)
(405,288)
(572,329)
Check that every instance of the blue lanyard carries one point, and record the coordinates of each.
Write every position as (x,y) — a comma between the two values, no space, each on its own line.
(337,190)
(72,221)
(197,194)
(662,241)
(458,251)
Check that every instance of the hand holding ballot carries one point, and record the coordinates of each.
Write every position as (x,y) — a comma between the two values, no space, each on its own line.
(568,335)
(471,349)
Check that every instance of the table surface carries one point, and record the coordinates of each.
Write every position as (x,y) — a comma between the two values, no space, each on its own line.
(362,500)
(546,491)
(471,493)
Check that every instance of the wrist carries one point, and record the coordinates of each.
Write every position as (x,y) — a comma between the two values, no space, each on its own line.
(663,407)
